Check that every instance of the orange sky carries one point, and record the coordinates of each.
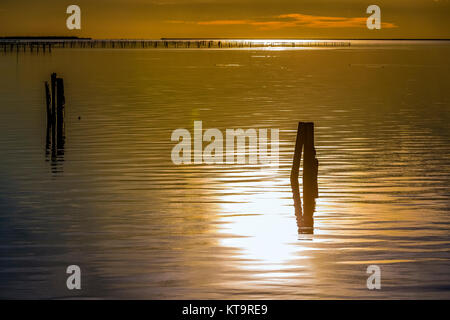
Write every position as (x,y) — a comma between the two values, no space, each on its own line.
(227,18)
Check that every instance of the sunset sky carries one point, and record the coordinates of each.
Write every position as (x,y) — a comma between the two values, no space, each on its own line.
(227,18)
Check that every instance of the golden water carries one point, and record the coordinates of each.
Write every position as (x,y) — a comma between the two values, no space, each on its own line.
(141,227)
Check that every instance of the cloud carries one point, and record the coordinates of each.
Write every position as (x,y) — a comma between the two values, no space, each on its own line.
(293,20)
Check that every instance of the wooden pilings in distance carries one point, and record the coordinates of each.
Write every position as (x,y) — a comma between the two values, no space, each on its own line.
(47,45)
(55,103)
(304,144)
(23,46)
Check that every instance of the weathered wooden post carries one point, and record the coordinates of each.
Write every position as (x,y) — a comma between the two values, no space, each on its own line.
(48,101)
(310,170)
(53,85)
(310,164)
(294,176)
(61,100)
(298,151)
(305,140)
(55,104)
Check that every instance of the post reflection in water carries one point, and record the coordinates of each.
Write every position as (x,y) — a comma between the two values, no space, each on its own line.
(54,152)
(305,217)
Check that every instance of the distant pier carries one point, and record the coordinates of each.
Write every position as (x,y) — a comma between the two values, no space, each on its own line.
(46,45)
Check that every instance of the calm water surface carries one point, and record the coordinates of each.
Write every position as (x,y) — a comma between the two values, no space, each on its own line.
(141,227)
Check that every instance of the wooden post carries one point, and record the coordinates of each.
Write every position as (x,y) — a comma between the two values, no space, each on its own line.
(294,175)
(48,100)
(310,169)
(305,140)
(60,101)
(309,164)
(60,112)
(55,104)
(298,151)
(53,85)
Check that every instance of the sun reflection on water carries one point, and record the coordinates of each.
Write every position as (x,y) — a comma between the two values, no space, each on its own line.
(259,222)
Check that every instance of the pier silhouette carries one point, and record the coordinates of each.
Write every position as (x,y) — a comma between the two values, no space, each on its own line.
(46,45)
